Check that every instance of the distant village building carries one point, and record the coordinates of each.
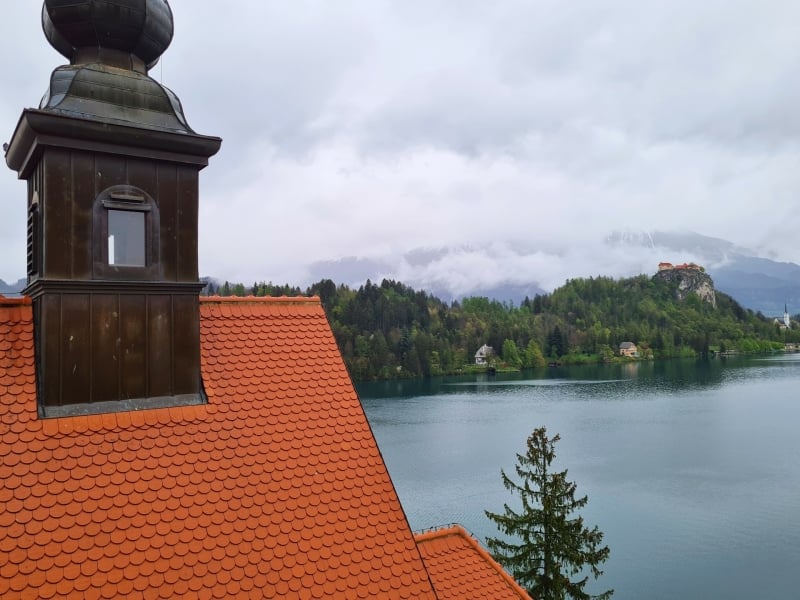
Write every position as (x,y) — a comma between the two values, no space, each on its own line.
(628,349)
(483,354)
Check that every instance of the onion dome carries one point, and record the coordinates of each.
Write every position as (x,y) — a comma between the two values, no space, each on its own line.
(142,28)
(111,44)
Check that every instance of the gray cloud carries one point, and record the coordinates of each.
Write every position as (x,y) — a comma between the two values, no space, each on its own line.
(372,128)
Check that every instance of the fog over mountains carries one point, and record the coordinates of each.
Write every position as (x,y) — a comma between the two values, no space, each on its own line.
(509,271)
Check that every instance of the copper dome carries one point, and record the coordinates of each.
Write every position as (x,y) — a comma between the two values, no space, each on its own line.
(143,28)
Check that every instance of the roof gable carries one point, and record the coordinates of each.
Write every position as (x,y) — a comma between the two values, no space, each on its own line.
(274,489)
(484,350)
(460,568)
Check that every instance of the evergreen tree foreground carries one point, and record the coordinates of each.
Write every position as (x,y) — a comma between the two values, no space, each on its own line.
(546,545)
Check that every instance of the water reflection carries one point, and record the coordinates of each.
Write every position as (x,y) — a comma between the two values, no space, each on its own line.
(673,375)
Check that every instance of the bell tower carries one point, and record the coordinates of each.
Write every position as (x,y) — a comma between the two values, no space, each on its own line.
(112,168)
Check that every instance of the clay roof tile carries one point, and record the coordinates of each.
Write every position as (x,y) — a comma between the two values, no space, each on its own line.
(460,568)
(146,504)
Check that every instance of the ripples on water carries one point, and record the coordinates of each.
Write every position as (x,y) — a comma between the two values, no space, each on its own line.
(692,468)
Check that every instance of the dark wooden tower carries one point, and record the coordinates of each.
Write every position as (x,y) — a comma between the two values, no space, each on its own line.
(112,169)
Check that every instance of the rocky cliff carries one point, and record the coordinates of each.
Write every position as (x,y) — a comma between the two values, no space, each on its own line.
(687,281)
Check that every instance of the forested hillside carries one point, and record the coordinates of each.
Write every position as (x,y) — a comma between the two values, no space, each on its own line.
(390,330)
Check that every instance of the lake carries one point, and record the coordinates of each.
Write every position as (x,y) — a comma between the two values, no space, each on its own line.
(692,468)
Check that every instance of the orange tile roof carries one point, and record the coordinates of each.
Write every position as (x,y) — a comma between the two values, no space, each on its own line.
(460,568)
(274,489)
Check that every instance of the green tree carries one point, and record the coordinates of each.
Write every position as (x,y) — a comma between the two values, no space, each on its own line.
(511,354)
(533,355)
(555,343)
(605,353)
(546,545)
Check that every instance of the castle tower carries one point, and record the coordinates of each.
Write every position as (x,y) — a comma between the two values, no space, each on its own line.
(112,168)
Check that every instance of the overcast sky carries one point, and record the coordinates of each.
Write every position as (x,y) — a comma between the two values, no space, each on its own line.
(521,132)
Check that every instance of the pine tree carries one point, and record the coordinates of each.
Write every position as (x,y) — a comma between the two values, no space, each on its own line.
(546,545)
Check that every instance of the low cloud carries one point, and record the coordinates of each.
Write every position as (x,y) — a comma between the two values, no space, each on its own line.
(377,128)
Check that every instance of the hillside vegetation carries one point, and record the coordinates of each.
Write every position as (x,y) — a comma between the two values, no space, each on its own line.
(389,330)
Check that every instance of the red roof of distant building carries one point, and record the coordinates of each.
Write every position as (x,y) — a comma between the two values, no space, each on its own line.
(274,489)
(461,568)
(664,266)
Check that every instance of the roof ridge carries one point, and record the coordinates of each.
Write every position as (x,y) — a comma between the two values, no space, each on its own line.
(27,301)
(440,531)
(16,301)
(260,299)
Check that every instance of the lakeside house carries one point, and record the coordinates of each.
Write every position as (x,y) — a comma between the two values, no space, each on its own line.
(628,349)
(156,445)
(483,354)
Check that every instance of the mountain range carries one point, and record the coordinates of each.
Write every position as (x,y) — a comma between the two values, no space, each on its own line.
(12,289)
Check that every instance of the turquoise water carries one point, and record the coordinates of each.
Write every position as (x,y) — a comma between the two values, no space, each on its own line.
(692,468)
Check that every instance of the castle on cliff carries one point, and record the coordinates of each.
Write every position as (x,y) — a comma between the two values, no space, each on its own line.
(666,266)
(688,278)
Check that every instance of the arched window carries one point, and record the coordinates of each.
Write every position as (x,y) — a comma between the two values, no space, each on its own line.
(126,229)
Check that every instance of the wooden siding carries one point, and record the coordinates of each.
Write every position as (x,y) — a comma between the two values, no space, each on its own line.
(72,180)
(97,347)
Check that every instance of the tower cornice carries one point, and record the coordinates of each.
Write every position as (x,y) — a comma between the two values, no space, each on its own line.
(38,129)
